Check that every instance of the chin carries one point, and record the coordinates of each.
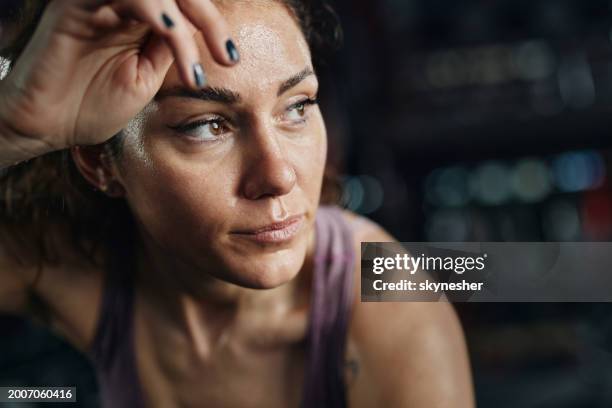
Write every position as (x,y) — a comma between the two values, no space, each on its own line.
(269,272)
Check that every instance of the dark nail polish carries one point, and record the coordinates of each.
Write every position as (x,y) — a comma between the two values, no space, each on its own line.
(198,74)
(232,51)
(167,21)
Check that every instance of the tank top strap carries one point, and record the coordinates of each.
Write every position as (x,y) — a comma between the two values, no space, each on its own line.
(114,317)
(331,300)
(112,349)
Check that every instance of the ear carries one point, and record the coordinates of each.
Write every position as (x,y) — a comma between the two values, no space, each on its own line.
(95,165)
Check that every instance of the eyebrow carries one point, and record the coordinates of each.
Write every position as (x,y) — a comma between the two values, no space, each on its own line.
(227,96)
(294,80)
(221,95)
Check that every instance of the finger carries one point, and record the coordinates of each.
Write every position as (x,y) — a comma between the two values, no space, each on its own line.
(167,20)
(157,55)
(86,19)
(207,18)
(106,18)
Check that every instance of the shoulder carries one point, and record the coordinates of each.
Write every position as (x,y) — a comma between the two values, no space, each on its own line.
(61,291)
(408,353)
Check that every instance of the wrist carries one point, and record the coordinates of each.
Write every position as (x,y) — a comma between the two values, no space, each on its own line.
(15,145)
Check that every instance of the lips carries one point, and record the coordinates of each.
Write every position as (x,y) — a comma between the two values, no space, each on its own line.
(276,232)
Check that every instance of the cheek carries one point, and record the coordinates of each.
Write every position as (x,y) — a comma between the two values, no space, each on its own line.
(168,197)
(311,158)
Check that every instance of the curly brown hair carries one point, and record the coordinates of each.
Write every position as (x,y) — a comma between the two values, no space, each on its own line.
(49,191)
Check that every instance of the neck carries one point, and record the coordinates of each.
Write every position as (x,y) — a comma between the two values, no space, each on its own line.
(207,308)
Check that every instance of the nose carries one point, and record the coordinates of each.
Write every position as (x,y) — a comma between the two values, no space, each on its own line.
(268,172)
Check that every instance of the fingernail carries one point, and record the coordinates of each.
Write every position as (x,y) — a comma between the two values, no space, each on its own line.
(167,20)
(198,74)
(232,51)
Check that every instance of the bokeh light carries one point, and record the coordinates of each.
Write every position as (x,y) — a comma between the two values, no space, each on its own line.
(579,171)
(490,183)
(531,180)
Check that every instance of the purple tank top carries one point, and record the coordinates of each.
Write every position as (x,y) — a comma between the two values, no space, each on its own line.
(113,354)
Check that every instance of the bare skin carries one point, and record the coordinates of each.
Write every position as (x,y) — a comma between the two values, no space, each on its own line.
(220,318)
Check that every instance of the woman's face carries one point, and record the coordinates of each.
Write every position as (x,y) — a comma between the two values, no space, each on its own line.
(201,169)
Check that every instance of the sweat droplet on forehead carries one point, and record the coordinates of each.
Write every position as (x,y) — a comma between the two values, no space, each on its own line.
(262,43)
(271,44)
(265,28)
(271,52)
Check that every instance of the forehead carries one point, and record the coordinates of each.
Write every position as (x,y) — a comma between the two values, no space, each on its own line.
(271,45)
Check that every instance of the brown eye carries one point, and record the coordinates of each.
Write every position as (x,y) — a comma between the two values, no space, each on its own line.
(297,111)
(205,130)
(216,128)
(301,109)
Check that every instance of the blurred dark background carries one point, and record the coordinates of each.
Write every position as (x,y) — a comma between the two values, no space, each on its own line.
(456,120)
(488,121)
